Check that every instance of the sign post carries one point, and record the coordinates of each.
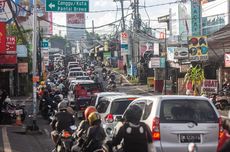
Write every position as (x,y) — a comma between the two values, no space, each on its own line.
(67,5)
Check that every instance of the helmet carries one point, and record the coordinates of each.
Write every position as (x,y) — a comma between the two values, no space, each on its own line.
(42,83)
(133,114)
(89,110)
(62,105)
(93,118)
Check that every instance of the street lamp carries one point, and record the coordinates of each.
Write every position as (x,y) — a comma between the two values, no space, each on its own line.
(166,67)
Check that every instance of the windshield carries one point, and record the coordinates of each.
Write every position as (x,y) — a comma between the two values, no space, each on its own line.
(179,111)
(119,107)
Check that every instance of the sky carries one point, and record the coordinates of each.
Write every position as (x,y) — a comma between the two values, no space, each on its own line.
(101,18)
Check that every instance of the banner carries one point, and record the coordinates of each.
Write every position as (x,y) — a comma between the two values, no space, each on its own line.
(198,48)
(2,38)
(227,60)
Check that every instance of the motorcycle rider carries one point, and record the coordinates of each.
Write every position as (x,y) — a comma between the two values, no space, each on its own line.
(82,129)
(95,135)
(62,121)
(136,135)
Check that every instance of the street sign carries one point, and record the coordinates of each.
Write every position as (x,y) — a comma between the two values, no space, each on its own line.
(67,5)
(44,44)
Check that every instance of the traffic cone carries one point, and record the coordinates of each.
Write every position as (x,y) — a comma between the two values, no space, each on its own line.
(18,120)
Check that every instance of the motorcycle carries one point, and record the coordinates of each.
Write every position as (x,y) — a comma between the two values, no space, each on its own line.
(11,111)
(65,141)
(112,86)
(221,100)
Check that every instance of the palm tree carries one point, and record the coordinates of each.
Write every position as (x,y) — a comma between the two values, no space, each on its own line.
(194,75)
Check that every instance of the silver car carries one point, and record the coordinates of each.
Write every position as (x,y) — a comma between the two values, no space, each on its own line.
(176,121)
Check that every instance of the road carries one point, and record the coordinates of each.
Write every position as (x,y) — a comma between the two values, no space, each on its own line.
(14,139)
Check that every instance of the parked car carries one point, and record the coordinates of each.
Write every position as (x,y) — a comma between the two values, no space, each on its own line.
(111,109)
(96,98)
(176,121)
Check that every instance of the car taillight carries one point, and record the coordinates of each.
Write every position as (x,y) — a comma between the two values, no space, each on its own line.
(109,118)
(221,129)
(156,129)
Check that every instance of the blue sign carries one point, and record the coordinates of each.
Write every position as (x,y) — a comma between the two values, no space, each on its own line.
(162,62)
(196,15)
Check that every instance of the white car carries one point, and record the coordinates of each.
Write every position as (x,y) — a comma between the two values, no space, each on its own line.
(75,69)
(111,109)
(73,74)
(96,98)
(83,78)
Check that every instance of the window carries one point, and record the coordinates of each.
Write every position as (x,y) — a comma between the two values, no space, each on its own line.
(147,110)
(102,106)
(177,111)
(119,107)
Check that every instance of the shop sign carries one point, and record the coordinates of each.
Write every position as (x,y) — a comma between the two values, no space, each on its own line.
(22,67)
(227,60)
(209,86)
(157,62)
(10,44)
(124,42)
(195,14)
(8,59)
(198,48)
(2,37)
(181,53)
(21,51)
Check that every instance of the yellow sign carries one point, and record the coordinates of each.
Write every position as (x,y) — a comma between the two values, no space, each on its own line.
(198,48)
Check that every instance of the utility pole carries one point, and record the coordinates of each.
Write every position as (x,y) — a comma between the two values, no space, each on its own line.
(122,16)
(34,126)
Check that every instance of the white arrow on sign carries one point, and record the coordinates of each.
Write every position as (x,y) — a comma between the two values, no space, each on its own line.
(51,5)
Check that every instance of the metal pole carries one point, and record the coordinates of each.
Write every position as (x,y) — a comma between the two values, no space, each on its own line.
(122,16)
(166,67)
(34,46)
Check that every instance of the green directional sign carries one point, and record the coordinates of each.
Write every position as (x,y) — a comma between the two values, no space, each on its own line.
(67,5)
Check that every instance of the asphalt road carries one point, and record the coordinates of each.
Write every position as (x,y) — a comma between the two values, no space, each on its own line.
(14,139)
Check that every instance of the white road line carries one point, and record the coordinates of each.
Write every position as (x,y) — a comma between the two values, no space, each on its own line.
(6,143)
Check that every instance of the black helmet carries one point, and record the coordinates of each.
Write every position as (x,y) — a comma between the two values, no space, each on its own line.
(133,114)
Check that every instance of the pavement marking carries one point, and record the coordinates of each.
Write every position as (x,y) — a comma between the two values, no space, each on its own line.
(6,143)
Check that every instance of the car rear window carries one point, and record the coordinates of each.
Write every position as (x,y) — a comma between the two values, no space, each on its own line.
(119,107)
(177,111)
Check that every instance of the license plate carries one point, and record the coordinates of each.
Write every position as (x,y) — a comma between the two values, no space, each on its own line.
(187,138)
(79,114)
(19,112)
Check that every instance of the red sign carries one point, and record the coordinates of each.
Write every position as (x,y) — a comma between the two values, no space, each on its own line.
(75,18)
(227,60)
(8,59)
(10,45)
(2,38)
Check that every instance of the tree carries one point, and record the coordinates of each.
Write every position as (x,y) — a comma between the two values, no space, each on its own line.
(195,76)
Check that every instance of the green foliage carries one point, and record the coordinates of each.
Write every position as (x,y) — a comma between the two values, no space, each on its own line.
(13,31)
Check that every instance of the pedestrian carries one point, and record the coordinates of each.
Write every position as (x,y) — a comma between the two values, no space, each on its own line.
(125,69)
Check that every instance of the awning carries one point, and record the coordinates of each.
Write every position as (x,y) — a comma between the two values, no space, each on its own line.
(219,43)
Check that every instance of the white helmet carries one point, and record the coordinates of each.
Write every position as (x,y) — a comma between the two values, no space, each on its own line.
(62,105)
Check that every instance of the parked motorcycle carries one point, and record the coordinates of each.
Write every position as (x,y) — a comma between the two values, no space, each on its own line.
(221,100)
(11,111)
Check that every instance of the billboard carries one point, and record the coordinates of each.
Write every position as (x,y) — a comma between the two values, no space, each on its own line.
(214,18)
(75,26)
(198,48)
(196,15)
